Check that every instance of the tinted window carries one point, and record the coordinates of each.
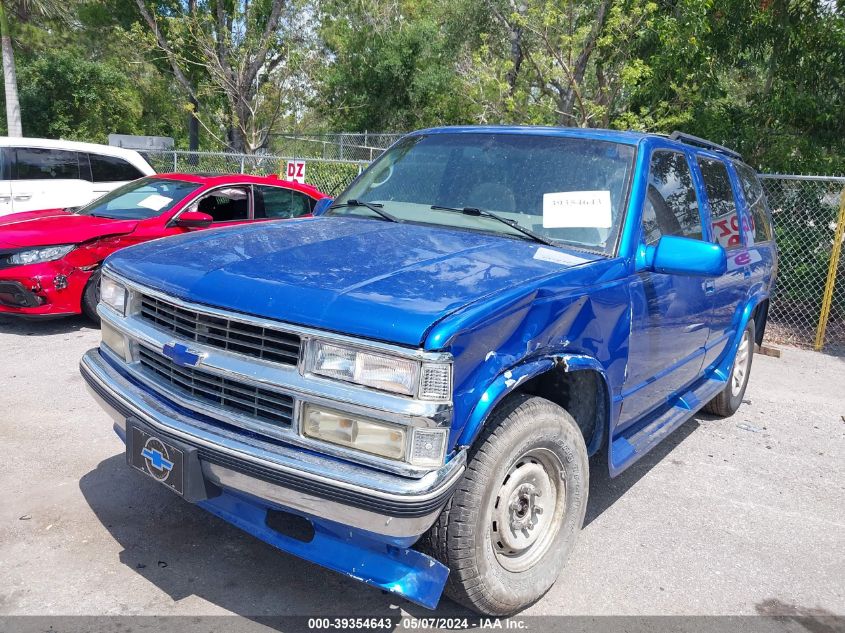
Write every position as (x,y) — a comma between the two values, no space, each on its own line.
(111,169)
(723,216)
(4,164)
(569,190)
(278,202)
(139,200)
(671,206)
(752,190)
(229,204)
(33,163)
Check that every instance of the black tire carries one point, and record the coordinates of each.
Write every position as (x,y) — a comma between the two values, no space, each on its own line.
(484,573)
(727,402)
(91,297)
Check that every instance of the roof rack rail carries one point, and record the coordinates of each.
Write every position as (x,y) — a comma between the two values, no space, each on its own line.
(689,139)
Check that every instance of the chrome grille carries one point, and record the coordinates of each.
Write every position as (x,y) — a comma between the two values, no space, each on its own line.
(227,394)
(223,333)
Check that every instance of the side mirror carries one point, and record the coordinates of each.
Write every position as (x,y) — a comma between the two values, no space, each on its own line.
(322,206)
(684,256)
(193,220)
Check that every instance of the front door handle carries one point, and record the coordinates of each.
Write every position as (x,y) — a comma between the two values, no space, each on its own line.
(709,287)
(5,198)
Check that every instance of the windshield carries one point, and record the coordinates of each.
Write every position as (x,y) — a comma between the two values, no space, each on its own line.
(141,199)
(566,190)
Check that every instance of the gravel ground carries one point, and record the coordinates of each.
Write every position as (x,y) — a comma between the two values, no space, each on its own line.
(741,516)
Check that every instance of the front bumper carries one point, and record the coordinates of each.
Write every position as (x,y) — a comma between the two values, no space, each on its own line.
(49,289)
(386,505)
(363,521)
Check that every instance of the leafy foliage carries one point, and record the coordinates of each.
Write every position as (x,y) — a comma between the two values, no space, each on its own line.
(390,67)
(763,76)
(68,96)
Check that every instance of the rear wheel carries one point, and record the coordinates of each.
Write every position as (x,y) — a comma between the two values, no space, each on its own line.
(91,297)
(728,401)
(508,530)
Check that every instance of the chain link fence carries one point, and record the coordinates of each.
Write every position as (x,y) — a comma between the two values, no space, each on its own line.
(329,175)
(807,310)
(337,146)
(808,307)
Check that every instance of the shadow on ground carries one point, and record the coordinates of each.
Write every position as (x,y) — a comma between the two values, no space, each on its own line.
(812,619)
(186,551)
(44,327)
(605,491)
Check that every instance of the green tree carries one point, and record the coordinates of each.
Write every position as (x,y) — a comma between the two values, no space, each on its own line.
(67,96)
(391,67)
(230,49)
(564,62)
(21,9)
(763,77)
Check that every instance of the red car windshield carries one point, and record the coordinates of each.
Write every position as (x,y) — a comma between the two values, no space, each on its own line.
(141,199)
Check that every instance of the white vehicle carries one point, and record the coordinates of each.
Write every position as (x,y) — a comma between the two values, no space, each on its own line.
(38,173)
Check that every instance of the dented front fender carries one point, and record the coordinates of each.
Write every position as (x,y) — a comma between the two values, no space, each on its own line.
(510,380)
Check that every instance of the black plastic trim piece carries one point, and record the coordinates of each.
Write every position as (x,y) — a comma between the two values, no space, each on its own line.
(14,295)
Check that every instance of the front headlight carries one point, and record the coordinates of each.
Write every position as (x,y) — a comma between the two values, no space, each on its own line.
(113,294)
(115,341)
(409,377)
(426,447)
(40,255)
(369,436)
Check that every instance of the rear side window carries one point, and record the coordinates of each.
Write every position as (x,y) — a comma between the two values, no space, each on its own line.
(723,216)
(278,202)
(5,164)
(752,190)
(671,206)
(229,204)
(112,169)
(35,163)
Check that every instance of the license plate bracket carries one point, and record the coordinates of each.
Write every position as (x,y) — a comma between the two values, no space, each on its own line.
(173,464)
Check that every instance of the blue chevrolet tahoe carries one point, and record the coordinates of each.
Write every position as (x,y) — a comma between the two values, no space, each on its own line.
(407,387)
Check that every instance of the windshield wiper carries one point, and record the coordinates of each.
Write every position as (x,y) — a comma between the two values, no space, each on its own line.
(489,214)
(375,207)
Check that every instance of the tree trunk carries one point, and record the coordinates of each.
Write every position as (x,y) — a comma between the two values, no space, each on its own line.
(10,80)
(516,59)
(193,125)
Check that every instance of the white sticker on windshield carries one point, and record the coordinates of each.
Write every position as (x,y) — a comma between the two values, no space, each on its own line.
(577,209)
(155,202)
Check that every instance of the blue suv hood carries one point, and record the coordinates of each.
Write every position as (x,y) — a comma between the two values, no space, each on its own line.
(369,278)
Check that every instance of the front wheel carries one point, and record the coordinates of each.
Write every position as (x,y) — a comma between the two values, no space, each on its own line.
(91,297)
(509,528)
(728,401)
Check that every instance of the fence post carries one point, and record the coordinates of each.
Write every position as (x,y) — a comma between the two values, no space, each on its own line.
(242,163)
(827,299)
(175,165)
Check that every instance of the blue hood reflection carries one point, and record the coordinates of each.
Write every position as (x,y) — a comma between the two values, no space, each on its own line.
(369,278)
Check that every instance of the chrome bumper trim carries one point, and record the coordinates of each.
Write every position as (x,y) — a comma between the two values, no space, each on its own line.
(348,494)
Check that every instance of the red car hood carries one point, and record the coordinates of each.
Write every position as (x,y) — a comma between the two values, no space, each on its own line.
(56,226)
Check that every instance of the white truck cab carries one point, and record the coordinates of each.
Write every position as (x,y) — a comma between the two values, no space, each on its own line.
(40,173)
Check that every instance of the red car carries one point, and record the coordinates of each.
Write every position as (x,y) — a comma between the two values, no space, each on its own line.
(49,260)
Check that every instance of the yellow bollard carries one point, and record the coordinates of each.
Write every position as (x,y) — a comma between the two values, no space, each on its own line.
(827,300)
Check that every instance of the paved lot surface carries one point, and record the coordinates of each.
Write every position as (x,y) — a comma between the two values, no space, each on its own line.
(737,516)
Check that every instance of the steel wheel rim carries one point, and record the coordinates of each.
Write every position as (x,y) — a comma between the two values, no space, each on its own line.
(740,370)
(528,510)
